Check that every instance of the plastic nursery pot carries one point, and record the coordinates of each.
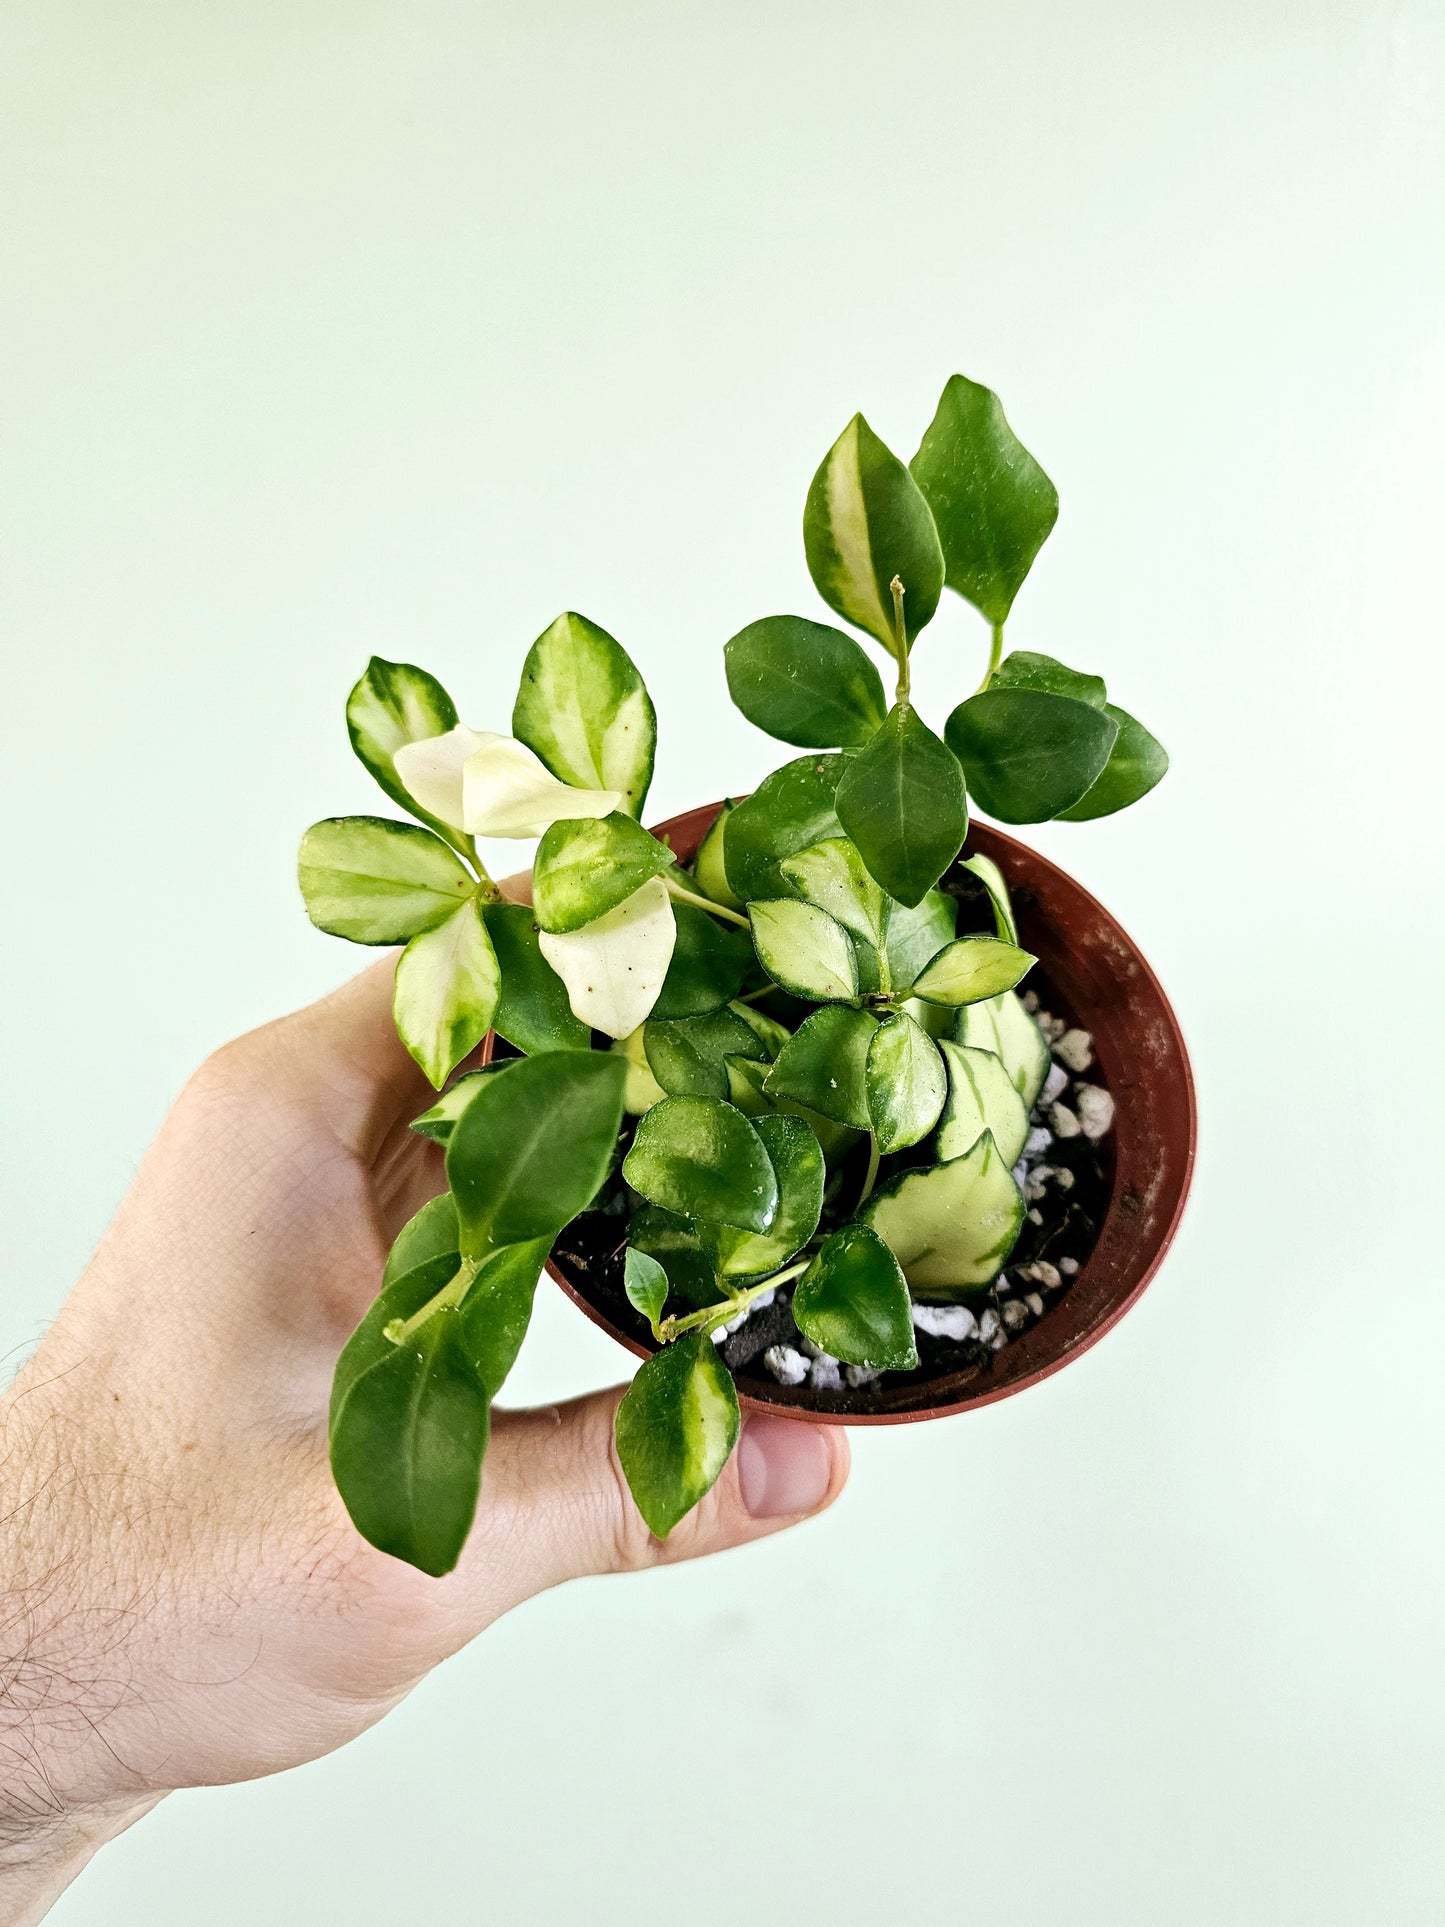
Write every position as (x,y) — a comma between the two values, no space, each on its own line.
(1090,972)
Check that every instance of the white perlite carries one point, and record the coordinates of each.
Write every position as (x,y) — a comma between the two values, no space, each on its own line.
(954,1322)
(1055,1084)
(1036,1143)
(1063,1120)
(1035,1302)
(1096,1109)
(824,1375)
(1076,1049)
(787,1366)
(1015,1313)
(858,1375)
(1069,1267)
(989,1325)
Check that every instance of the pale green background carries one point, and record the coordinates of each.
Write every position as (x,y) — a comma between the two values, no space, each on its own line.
(330,328)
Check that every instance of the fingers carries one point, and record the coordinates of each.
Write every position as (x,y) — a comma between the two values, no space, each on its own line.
(555,1504)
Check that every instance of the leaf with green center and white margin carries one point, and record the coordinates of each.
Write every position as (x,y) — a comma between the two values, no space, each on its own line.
(902,801)
(805,683)
(585,868)
(950,1226)
(971,969)
(981,1098)
(641,1089)
(701,1157)
(991,877)
(853,1301)
(915,934)
(676,1428)
(430,770)
(446,990)
(614,968)
(396,703)
(709,866)
(865,522)
(769,1032)
(1003,1026)
(533,1146)
(688,1055)
(804,950)
(1136,763)
(645,1282)
(905,1081)
(1028,755)
(993,504)
(532,1011)
(374,881)
(1023,669)
(676,1243)
(824,1065)
(583,707)
(507,791)
(748,1079)
(797,1160)
(833,875)
(437,1123)
(407,1442)
(709,963)
(789,810)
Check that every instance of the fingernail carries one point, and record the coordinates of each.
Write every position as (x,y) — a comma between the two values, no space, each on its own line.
(783,1467)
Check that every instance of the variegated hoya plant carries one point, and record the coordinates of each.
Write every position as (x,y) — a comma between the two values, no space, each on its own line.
(810,1075)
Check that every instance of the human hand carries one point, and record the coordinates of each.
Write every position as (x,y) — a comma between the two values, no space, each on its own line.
(187,1601)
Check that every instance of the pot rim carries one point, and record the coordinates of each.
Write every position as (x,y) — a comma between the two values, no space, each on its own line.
(699,819)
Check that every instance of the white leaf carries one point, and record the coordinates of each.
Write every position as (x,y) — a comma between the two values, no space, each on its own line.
(508,791)
(613,968)
(431,770)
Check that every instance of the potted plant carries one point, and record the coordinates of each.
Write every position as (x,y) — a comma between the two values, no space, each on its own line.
(823,1092)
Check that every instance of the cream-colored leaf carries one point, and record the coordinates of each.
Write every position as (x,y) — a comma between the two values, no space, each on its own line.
(431,770)
(614,968)
(508,791)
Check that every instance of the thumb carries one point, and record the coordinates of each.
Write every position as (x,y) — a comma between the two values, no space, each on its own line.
(555,1498)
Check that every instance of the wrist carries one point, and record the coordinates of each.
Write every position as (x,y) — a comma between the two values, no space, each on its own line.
(39,1858)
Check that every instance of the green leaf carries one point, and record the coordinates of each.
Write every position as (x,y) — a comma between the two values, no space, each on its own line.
(586,866)
(532,1148)
(393,704)
(804,950)
(676,1428)
(438,1122)
(407,1441)
(805,683)
(446,991)
(797,1160)
(1136,763)
(1003,1026)
(641,1089)
(789,810)
(853,1301)
(645,1282)
(902,800)
(833,875)
(905,1081)
(950,1226)
(864,523)
(374,881)
(991,877)
(532,1012)
(981,1098)
(431,1233)
(993,504)
(676,1243)
(688,1055)
(701,1157)
(971,969)
(748,1093)
(497,1309)
(769,1032)
(708,967)
(824,1065)
(1022,669)
(405,1289)
(919,932)
(615,967)
(709,866)
(1028,755)
(584,709)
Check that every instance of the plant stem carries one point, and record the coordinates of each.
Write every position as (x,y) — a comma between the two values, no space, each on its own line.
(900,644)
(676,890)
(870,1176)
(995,656)
(489,890)
(398,1330)
(711,1316)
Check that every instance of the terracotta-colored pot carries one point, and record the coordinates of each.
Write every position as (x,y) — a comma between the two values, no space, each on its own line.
(1098,980)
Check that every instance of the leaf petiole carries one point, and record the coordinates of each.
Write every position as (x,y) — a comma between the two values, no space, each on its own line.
(398,1330)
(711,1316)
(486,886)
(870,1176)
(995,657)
(676,890)
(900,642)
